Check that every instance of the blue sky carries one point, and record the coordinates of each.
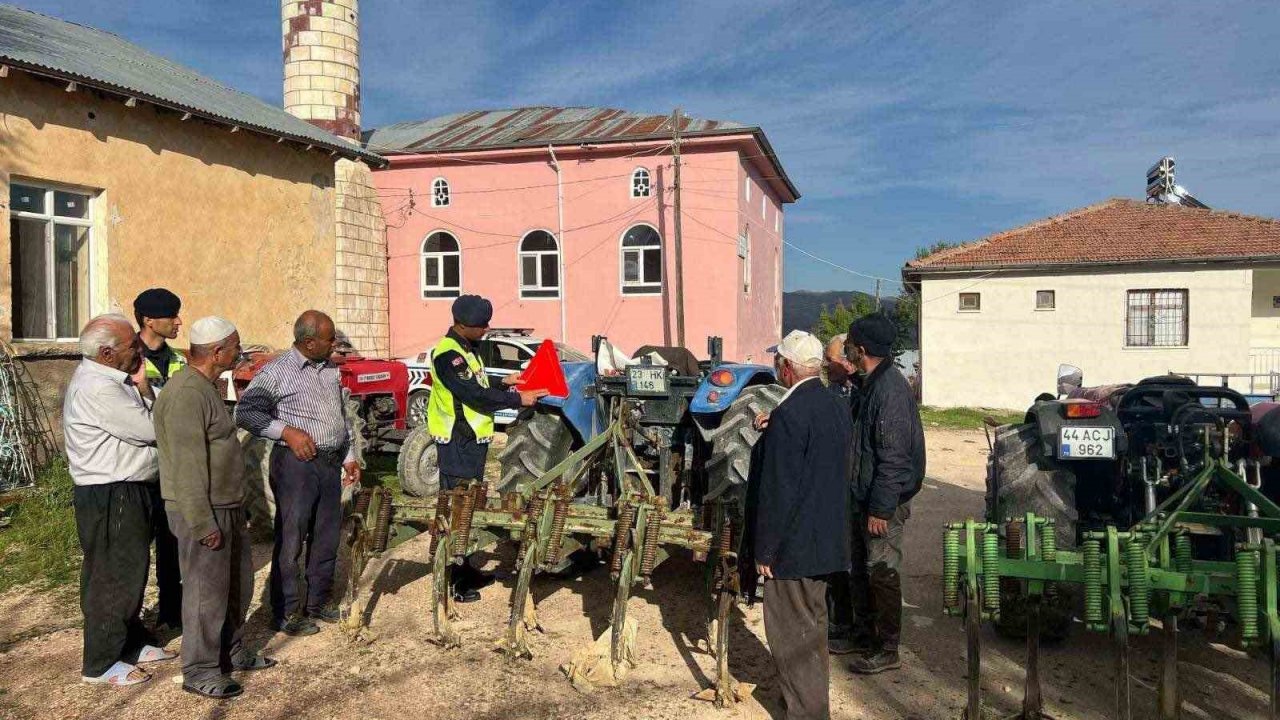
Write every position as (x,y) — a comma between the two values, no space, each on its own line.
(902,123)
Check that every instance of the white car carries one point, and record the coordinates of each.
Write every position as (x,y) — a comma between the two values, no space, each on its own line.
(503,351)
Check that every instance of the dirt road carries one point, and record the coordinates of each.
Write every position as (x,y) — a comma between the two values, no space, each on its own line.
(399,675)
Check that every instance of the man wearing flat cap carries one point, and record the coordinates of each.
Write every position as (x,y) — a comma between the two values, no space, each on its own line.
(202,480)
(156,311)
(888,469)
(460,412)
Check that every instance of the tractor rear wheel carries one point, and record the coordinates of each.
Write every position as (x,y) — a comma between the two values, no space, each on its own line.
(417,465)
(536,442)
(729,458)
(1020,479)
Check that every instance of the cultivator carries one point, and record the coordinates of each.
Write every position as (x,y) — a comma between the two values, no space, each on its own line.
(1130,577)
(570,507)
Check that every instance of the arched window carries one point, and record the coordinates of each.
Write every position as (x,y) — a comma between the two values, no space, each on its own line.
(641,261)
(539,265)
(441,266)
(640,185)
(439,193)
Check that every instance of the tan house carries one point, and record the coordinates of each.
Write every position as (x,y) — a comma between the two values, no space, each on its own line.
(121,170)
(1123,289)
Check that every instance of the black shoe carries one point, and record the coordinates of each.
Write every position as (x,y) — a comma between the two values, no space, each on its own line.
(325,614)
(465,594)
(220,689)
(249,661)
(296,626)
(876,662)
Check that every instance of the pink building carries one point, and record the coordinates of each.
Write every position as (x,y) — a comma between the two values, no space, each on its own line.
(564,218)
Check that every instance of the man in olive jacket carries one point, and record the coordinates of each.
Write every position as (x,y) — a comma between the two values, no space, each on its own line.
(800,522)
(202,481)
(888,469)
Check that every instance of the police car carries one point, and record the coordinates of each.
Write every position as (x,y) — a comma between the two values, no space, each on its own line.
(504,351)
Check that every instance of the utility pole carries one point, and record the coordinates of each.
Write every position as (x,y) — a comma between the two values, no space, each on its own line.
(675,151)
(877,293)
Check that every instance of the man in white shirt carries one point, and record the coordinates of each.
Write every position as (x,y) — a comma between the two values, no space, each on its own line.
(111,450)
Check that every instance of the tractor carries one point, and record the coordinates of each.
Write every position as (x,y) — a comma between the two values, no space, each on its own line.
(1122,505)
(639,460)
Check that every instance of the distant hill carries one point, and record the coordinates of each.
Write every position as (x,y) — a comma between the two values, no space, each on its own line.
(801,308)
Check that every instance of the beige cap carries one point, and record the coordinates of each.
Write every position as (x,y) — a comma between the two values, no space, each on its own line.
(209,330)
(801,348)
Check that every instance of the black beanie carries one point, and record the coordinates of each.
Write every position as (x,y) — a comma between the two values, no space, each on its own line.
(472,311)
(874,333)
(157,303)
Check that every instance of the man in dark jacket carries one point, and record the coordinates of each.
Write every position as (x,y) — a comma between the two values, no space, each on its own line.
(888,468)
(800,529)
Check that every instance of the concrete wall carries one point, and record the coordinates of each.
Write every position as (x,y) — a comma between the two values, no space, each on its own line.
(497,198)
(235,223)
(1007,353)
(759,306)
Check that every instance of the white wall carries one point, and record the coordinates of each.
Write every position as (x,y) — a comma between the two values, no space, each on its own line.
(1007,353)
(1266,317)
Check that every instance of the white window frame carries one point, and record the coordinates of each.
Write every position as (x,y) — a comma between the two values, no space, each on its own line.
(438,291)
(764,206)
(448,193)
(51,220)
(960,307)
(777,219)
(747,187)
(746,260)
(521,254)
(648,180)
(641,287)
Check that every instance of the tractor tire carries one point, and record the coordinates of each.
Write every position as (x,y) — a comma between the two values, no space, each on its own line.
(729,458)
(259,500)
(416,412)
(536,443)
(1020,480)
(418,466)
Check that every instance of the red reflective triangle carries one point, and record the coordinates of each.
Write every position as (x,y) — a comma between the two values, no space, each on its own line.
(544,372)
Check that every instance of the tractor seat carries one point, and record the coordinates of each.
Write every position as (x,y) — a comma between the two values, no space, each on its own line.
(677,357)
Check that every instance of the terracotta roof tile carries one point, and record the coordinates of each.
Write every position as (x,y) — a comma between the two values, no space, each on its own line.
(1117,231)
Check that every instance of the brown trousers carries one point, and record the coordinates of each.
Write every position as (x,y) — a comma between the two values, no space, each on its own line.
(795,624)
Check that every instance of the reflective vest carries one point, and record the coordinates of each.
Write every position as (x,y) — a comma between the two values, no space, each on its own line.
(176,362)
(440,408)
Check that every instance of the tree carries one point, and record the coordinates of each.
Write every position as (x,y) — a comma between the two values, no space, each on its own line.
(906,313)
(927,250)
(836,320)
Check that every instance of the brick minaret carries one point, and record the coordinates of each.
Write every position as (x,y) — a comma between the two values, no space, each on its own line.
(322,86)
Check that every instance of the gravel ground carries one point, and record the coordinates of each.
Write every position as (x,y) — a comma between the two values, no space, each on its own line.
(399,674)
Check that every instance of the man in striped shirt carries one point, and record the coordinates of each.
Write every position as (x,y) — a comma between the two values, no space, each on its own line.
(296,401)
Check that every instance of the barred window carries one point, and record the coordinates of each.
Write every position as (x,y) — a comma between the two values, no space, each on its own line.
(1156,318)
(1046,300)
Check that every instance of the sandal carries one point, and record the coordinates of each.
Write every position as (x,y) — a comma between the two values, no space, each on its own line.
(151,653)
(253,662)
(219,689)
(122,674)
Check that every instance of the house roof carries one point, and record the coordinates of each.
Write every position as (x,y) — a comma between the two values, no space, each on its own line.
(55,48)
(1115,232)
(540,126)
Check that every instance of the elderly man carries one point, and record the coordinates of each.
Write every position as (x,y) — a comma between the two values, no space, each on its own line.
(156,310)
(800,532)
(296,401)
(202,474)
(111,452)
(888,469)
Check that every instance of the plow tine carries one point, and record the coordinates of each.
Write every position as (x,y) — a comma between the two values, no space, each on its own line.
(1120,635)
(1168,690)
(516,644)
(442,611)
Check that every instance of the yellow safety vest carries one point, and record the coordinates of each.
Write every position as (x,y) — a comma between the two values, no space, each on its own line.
(440,415)
(176,362)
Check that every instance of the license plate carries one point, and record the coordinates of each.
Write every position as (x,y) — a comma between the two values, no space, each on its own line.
(1086,443)
(647,380)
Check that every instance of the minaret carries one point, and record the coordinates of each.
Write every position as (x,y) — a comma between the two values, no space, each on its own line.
(322,86)
(322,63)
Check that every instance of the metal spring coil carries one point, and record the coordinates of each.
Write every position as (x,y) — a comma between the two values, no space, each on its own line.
(382,529)
(649,554)
(533,514)
(1247,593)
(437,524)
(1013,539)
(1092,582)
(991,570)
(462,524)
(1182,553)
(622,536)
(363,499)
(559,517)
(951,567)
(481,490)
(1139,581)
(1048,542)
(724,543)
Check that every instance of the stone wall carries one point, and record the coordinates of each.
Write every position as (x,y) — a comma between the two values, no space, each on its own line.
(361,261)
(322,63)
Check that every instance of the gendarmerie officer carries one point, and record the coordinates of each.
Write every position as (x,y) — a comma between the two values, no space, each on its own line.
(460,412)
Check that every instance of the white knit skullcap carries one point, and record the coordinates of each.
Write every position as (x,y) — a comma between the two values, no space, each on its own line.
(209,330)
